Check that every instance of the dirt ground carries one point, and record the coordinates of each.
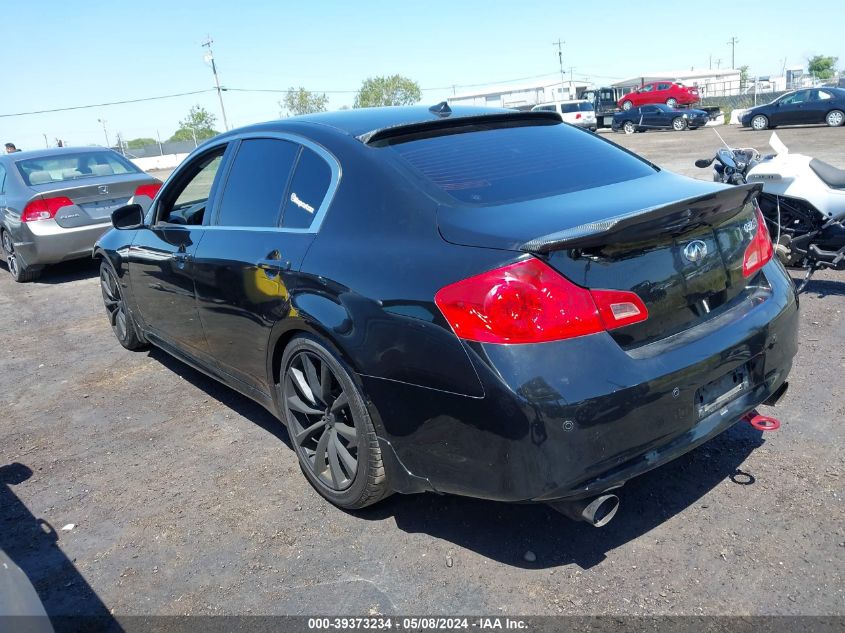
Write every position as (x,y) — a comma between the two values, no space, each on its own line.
(186,498)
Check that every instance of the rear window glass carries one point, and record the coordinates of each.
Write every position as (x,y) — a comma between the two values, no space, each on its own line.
(74,166)
(494,166)
(569,107)
(586,107)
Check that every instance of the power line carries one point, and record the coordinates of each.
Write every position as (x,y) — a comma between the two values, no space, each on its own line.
(110,103)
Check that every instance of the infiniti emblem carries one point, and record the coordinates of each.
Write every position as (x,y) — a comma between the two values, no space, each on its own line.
(695,251)
(103,189)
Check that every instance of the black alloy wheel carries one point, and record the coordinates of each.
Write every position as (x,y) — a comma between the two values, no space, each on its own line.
(329,426)
(122,323)
(19,273)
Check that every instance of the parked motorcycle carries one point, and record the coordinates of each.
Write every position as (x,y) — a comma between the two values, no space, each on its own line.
(803,201)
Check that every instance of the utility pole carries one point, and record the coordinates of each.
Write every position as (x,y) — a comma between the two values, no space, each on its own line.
(571,88)
(209,58)
(718,63)
(105,132)
(733,42)
(559,45)
(46,144)
(711,61)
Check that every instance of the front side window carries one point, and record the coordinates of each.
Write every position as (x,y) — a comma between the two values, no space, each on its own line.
(799,97)
(186,203)
(2,179)
(647,88)
(74,166)
(256,183)
(308,188)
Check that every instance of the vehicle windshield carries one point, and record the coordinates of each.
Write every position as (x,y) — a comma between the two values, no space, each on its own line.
(74,166)
(498,165)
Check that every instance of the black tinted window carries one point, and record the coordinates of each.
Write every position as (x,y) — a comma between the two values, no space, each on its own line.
(307,190)
(586,107)
(519,163)
(569,107)
(256,184)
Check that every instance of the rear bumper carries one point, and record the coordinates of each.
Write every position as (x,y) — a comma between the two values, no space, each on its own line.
(45,242)
(574,418)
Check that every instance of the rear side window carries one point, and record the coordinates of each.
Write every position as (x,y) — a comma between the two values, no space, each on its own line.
(495,166)
(307,190)
(566,108)
(2,179)
(256,184)
(586,107)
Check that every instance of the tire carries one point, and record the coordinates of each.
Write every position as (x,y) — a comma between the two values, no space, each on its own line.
(679,124)
(628,127)
(760,122)
(672,102)
(20,273)
(329,425)
(627,105)
(123,324)
(835,118)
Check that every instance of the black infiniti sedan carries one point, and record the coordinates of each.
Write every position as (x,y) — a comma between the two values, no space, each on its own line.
(658,116)
(800,107)
(482,302)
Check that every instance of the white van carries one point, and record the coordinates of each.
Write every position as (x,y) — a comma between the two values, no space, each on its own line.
(576,112)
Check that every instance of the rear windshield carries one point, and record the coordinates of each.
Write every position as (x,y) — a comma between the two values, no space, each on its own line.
(576,107)
(74,166)
(494,166)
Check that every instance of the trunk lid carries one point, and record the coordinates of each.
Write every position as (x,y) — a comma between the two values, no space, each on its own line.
(678,244)
(93,198)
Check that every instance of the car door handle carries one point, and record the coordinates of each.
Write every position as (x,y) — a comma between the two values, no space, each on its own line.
(274,264)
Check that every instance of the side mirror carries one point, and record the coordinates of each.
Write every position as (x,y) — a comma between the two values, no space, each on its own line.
(130,216)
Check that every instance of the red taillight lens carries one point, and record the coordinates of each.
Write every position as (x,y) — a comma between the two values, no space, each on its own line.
(44,209)
(529,302)
(760,251)
(578,116)
(148,190)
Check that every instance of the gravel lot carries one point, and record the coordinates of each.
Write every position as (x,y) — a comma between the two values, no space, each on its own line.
(187,499)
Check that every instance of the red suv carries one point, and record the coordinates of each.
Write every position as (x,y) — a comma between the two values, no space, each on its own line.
(668,92)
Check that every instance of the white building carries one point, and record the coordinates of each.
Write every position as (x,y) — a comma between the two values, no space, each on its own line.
(710,83)
(520,96)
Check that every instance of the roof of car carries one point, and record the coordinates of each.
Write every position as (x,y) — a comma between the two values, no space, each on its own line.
(360,121)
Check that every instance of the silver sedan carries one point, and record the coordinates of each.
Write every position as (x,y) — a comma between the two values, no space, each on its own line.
(55,203)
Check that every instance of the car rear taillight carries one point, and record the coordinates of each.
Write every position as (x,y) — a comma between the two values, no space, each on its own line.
(529,302)
(148,190)
(44,208)
(760,251)
(578,116)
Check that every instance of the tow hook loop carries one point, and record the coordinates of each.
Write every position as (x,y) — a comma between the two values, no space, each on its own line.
(761,422)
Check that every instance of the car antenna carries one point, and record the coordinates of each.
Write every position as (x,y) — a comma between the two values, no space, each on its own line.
(720,138)
(441,109)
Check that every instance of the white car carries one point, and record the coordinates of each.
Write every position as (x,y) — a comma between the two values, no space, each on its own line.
(577,112)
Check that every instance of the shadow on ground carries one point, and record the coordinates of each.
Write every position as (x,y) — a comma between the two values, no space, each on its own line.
(504,532)
(822,288)
(32,544)
(75,270)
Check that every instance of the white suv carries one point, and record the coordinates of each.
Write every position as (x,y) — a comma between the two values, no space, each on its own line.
(577,112)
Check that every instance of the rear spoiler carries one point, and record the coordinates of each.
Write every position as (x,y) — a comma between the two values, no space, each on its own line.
(674,217)
(439,126)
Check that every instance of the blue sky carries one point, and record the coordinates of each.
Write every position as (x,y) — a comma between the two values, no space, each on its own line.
(61,54)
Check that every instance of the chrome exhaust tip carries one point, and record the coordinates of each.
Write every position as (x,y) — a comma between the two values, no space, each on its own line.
(597,511)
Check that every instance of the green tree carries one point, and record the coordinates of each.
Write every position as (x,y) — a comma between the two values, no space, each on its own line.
(302,101)
(387,91)
(743,77)
(138,143)
(198,124)
(822,66)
